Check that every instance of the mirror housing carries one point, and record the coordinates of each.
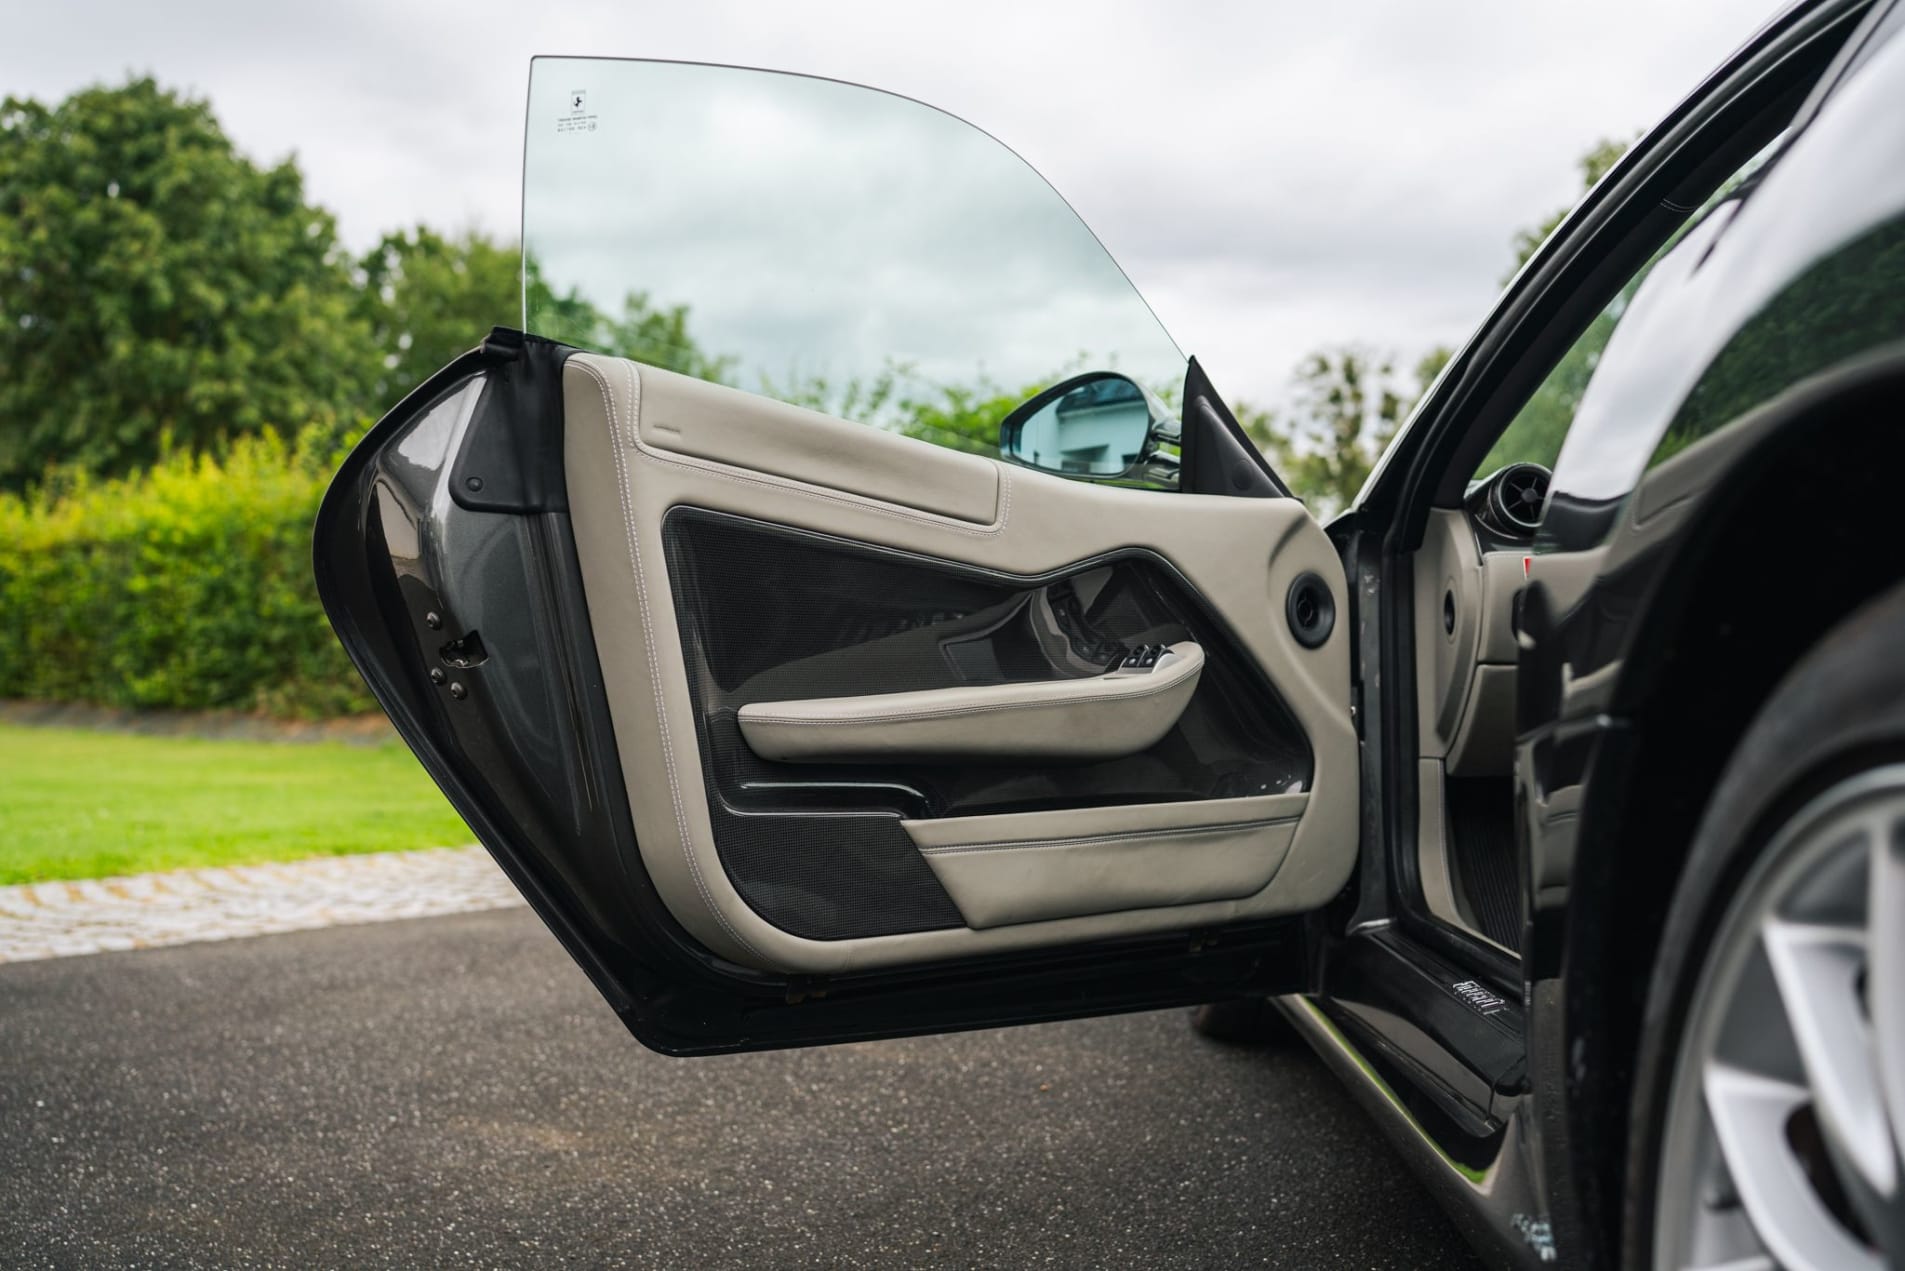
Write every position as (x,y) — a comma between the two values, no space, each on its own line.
(1099,426)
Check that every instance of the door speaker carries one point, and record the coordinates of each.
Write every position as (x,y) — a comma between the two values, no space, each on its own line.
(1310,609)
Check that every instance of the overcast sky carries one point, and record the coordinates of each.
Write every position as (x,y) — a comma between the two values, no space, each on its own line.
(1273,176)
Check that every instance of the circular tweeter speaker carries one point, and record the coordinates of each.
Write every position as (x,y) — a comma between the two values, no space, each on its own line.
(1311,610)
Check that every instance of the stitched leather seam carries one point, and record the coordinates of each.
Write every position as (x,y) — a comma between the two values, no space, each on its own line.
(648,638)
(788,485)
(1101,840)
(846,498)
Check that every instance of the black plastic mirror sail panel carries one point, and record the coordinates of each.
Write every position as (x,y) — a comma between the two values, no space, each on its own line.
(1217,457)
(500,467)
(467,619)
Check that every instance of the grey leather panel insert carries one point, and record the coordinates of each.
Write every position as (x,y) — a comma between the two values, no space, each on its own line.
(1032,866)
(1092,717)
(710,421)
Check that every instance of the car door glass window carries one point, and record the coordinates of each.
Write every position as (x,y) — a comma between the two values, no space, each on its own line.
(829,245)
(1538,429)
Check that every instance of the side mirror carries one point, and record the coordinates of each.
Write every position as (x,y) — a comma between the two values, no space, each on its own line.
(1100,425)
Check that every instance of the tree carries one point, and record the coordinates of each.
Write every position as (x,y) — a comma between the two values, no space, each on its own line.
(157,287)
(1349,403)
(1428,366)
(1541,425)
(428,298)
(899,399)
(642,331)
(963,417)
(1595,164)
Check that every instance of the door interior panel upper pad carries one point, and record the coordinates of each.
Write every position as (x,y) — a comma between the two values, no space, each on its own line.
(864,875)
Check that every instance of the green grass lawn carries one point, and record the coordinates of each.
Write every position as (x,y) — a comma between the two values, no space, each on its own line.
(92,804)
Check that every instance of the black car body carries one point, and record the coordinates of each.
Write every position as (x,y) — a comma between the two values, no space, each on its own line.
(1771,337)
(1721,504)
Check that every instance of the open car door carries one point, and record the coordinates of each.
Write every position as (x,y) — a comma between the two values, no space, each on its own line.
(1012,699)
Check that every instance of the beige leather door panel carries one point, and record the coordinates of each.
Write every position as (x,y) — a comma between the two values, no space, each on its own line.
(1465,648)
(764,435)
(642,444)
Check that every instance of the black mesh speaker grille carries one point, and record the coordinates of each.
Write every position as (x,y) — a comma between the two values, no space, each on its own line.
(768,613)
(1482,843)
(823,872)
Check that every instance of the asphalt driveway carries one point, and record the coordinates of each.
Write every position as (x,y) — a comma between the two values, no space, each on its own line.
(450,1091)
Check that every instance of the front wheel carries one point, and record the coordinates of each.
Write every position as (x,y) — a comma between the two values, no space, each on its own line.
(1769,1107)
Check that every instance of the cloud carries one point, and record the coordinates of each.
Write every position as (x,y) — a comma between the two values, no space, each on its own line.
(1273,176)
(814,227)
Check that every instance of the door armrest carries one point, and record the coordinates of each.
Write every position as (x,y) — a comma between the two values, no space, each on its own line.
(1092,717)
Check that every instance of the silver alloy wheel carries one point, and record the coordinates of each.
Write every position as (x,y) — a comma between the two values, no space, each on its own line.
(1782,1144)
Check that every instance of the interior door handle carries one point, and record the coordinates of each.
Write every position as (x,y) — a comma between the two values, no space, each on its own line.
(1092,717)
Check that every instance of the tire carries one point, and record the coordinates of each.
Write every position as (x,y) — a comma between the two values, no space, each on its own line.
(1766,877)
(1248,1021)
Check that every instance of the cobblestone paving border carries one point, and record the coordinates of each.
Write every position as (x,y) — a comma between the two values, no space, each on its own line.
(142,911)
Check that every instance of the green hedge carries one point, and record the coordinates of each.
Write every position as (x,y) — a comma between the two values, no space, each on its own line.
(185,586)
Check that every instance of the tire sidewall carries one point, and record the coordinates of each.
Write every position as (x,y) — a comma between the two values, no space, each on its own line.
(1841,711)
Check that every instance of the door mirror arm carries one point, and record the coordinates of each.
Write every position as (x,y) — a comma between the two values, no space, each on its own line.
(1102,426)
(1099,426)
